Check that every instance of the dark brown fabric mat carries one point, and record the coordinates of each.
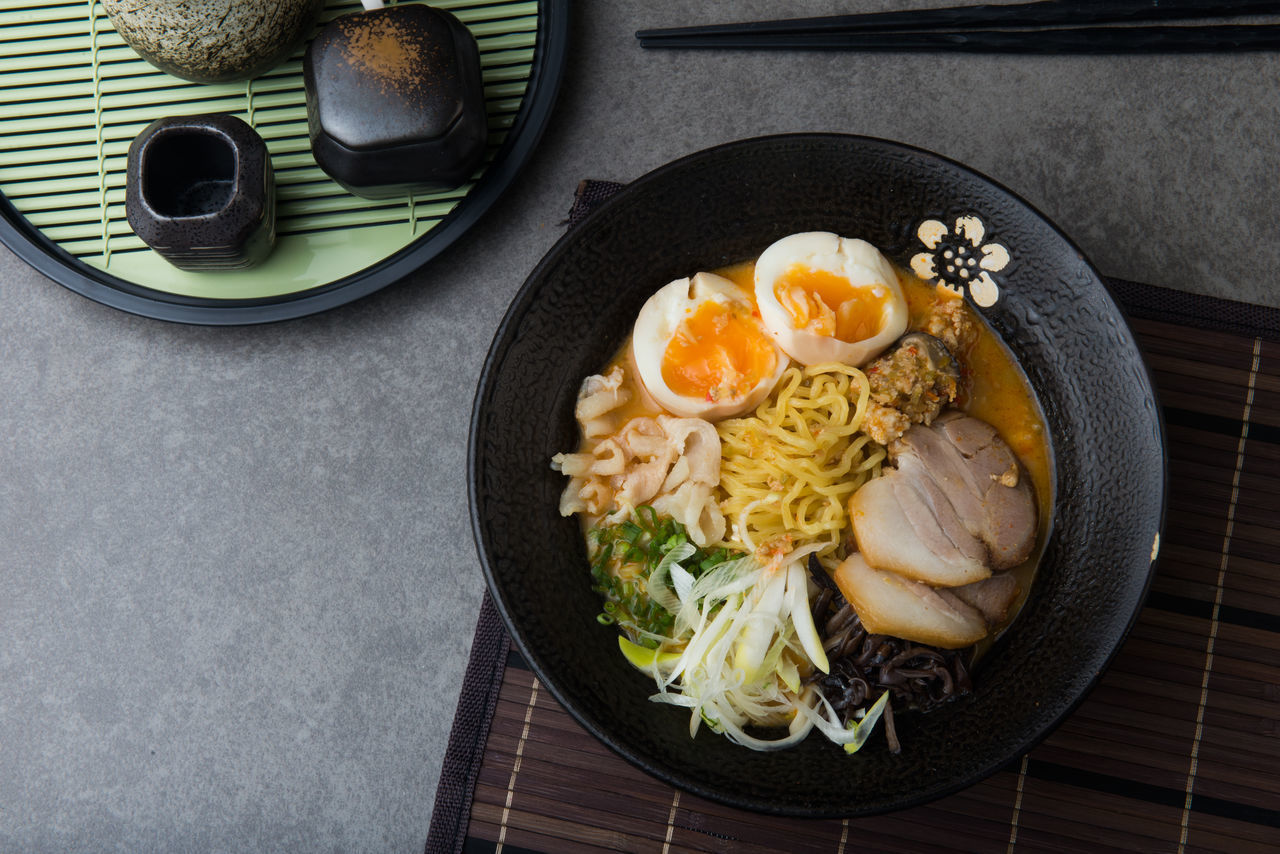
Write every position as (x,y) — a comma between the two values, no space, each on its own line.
(1177,749)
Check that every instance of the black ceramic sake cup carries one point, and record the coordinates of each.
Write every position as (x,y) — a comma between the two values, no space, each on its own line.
(200,191)
(725,205)
(395,101)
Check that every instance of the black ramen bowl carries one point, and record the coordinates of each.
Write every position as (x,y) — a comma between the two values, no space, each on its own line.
(725,205)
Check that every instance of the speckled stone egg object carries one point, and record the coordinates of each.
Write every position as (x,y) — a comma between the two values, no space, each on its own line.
(395,101)
(200,191)
(213,41)
(725,205)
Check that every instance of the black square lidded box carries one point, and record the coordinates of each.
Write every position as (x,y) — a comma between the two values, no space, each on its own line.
(395,101)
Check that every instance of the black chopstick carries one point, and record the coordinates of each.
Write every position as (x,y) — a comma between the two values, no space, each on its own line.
(1080,40)
(1046,13)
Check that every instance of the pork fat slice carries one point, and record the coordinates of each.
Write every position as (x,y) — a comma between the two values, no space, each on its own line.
(889,604)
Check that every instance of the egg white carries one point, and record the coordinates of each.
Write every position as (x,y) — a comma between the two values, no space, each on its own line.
(658,322)
(856,261)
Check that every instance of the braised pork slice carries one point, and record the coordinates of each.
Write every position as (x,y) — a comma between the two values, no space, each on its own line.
(981,479)
(905,524)
(992,597)
(956,507)
(889,604)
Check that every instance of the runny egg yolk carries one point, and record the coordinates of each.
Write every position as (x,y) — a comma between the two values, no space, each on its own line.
(719,352)
(827,304)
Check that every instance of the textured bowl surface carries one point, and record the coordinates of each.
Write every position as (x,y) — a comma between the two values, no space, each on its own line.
(727,204)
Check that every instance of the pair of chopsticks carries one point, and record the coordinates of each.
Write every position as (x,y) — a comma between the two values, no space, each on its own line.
(1047,27)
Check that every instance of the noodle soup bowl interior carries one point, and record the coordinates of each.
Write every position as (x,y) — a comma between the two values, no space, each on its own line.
(723,206)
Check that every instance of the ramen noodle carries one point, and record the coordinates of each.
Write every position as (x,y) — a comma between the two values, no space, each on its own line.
(789,469)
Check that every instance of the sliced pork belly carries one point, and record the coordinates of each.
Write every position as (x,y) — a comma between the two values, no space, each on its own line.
(930,532)
(992,597)
(981,479)
(889,604)
(956,507)
(904,523)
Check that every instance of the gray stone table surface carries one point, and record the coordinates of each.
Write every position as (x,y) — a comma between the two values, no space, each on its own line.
(238,580)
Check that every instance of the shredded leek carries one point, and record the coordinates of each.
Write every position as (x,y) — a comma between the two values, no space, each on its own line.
(724,635)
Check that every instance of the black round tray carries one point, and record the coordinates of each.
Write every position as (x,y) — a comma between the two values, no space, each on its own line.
(44,254)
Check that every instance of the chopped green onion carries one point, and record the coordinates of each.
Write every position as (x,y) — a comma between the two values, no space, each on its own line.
(634,550)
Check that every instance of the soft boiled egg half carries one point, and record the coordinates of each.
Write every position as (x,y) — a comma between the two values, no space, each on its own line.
(827,298)
(701,350)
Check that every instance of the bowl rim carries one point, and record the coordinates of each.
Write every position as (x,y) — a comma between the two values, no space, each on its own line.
(501,342)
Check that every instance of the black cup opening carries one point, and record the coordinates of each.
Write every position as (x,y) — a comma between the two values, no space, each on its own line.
(189,173)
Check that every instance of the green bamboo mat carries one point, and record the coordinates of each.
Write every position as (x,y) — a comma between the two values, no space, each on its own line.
(73,96)
(1176,750)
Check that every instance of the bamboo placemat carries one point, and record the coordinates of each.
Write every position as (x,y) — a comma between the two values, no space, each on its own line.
(1177,749)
